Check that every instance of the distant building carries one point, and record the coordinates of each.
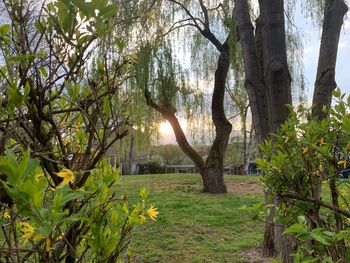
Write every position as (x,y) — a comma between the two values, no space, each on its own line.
(132,164)
(180,168)
(252,169)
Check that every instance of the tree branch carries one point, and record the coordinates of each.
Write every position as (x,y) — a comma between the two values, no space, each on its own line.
(168,113)
(317,202)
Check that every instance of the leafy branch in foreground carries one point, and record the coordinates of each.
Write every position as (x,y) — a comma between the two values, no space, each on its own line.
(304,166)
(64,97)
(37,225)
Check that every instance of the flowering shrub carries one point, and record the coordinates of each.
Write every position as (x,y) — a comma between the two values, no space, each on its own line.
(304,166)
(43,223)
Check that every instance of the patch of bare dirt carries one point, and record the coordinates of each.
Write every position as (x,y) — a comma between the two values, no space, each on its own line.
(254,255)
(244,188)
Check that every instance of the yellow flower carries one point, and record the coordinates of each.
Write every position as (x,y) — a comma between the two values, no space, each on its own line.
(47,244)
(134,58)
(67,176)
(305,149)
(322,142)
(143,193)
(6,215)
(142,219)
(342,162)
(152,213)
(27,230)
(38,176)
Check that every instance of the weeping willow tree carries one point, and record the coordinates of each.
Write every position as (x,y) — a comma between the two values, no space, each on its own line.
(160,83)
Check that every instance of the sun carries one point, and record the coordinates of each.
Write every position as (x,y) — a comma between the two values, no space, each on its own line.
(166,132)
(165,128)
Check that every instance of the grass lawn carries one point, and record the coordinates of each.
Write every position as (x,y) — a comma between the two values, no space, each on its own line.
(193,226)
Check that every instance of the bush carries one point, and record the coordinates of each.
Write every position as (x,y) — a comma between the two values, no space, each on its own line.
(303,167)
(43,223)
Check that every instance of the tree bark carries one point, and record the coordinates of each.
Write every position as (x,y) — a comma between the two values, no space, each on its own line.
(252,46)
(252,67)
(325,84)
(276,73)
(268,85)
(277,80)
(214,166)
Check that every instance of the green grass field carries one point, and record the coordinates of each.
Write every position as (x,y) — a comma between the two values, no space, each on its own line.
(193,226)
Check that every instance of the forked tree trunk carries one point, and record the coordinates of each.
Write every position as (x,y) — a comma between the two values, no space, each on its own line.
(268,85)
(211,170)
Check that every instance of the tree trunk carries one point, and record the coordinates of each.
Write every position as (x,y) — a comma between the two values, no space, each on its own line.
(277,80)
(276,74)
(212,171)
(252,68)
(213,179)
(269,249)
(131,152)
(252,46)
(248,153)
(325,84)
(268,85)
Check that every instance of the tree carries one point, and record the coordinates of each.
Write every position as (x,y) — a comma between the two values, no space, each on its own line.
(210,169)
(244,145)
(268,79)
(170,153)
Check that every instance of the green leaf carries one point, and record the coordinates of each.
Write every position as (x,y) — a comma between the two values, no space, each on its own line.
(26,90)
(346,124)
(327,260)
(111,176)
(84,7)
(71,195)
(337,93)
(295,229)
(120,43)
(64,16)
(106,106)
(38,26)
(5,29)
(322,236)
(108,11)
(43,72)
(100,27)
(100,66)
